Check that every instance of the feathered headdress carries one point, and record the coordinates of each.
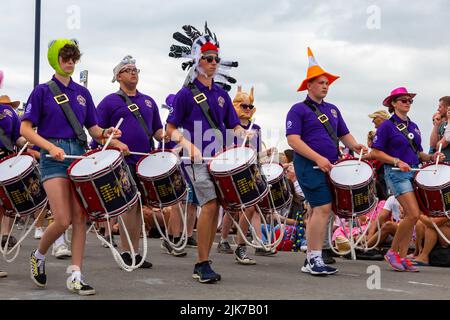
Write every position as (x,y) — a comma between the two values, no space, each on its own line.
(194,44)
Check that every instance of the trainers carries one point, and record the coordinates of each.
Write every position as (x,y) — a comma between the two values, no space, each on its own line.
(191,242)
(263,252)
(38,232)
(79,286)
(204,273)
(62,251)
(128,261)
(317,267)
(327,256)
(11,243)
(3,274)
(224,247)
(169,250)
(37,271)
(109,240)
(242,257)
(394,260)
(408,265)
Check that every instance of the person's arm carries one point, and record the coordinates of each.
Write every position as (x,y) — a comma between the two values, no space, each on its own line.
(434,137)
(27,131)
(349,141)
(178,137)
(385,158)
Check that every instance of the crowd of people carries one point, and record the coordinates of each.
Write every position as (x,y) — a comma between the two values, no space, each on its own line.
(58,114)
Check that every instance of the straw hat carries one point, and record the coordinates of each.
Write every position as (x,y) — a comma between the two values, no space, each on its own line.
(6,100)
(383,114)
(342,244)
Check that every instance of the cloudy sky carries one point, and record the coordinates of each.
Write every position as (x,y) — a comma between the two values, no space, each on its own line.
(374,46)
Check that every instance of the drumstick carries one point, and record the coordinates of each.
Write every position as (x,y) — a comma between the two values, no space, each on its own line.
(204,158)
(71,157)
(20,152)
(414,169)
(273,153)
(249,129)
(342,165)
(359,160)
(111,135)
(437,159)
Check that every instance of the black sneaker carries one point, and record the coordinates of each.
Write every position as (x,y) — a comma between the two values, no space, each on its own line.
(372,255)
(191,242)
(327,256)
(37,271)
(79,286)
(128,261)
(169,250)
(12,241)
(263,252)
(224,247)
(108,239)
(242,257)
(204,273)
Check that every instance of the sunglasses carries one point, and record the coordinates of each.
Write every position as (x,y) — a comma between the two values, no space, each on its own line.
(247,106)
(211,58)
(131,71)
(406,100)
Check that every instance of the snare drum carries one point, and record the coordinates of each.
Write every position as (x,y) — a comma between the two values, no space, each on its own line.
(279,188)
(21,191)
(104,184)
(238,178)
(433,189)
(353,188)
(162,178)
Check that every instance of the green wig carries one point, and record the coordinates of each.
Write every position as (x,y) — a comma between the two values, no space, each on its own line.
(53,54)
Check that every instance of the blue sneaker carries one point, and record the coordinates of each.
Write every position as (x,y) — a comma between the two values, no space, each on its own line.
(204,273)
(317,267)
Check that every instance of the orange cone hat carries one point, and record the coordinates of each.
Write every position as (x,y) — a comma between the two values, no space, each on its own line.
(314,70)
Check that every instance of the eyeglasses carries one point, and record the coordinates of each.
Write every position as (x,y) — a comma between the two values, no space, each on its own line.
(211,58)
(128,70)
(405,101)
(247,106)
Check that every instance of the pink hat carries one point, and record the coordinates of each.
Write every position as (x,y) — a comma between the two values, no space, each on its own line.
(397,93)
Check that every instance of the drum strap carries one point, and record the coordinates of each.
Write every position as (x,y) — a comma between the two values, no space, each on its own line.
(6,141)
(324,120)
(134,108)
(63,101)
(409,136)
(202,101)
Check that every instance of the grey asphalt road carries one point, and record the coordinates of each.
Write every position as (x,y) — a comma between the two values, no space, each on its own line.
(272,278)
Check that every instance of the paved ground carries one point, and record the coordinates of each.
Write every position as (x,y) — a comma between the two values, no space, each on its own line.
(272,278)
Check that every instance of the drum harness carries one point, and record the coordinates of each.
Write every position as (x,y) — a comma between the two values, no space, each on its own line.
(408,135)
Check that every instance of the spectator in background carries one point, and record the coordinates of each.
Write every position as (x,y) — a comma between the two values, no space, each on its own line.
(378,117)
(437,134)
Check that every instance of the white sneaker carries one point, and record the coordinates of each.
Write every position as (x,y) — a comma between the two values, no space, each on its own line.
(62,251)
(38,232)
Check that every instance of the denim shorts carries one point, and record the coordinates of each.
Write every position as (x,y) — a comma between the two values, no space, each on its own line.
(51,168)
(313,182)
(398,182)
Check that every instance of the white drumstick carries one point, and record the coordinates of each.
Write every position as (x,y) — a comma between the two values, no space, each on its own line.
(20,152)
(204,158)
(440,149)
(414,169)
(273,153)
(342,165)
(66,156)
(249,129)
(359,160)
(112,134)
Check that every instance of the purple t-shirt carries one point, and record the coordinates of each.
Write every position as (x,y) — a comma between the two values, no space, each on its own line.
(10,123)
(113,107)
(254,142)
(302,121)
(392,142)
(49,118)
(186,113)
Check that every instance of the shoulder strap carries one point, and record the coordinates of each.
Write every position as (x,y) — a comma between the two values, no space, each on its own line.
(134,108)
(202,101)
(324,120)
(63,100)
(6,141)
(409,136)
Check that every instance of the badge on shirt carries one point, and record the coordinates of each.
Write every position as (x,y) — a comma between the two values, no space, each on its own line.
(148,103)
(5,113)
(289,124)
(221,101)
(28,108)
(417,131)
(81,100)
(334,113)
(375,139)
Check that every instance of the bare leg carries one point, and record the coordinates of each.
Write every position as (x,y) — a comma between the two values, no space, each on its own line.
(133,223)
(389,228)
(244,225)
(226,226)
(315,228)
(431,238)
(206,229)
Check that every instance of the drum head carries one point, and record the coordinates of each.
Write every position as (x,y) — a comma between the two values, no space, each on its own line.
(157,164)
(437,178)
(231,159)
(103,159)
(272,171)
(22,164)
(350,173)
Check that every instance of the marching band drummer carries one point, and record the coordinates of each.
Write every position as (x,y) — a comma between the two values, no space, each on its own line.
(397,143)
(141,122)
(313,129)
(60,109)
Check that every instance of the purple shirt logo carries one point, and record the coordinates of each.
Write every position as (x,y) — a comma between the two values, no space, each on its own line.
(81,100)
(221,101)
(28,108)
(148,103)
(334,113)
(289,124)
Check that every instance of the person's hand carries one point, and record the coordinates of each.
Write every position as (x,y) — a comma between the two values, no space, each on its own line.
(271,151)
(112,131)
(360,147)
(195,154)
(324,164)
(290,173)
(403,166)
(57,153)
(122,146)
(436,155)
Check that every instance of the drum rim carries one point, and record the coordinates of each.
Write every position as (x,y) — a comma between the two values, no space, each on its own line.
(97,174)
(418,184)
(251,203)
(235,170)
(165,175)
(26,212)
(34,164)
(268,210)
(362,184)
(168,204)
(278,178)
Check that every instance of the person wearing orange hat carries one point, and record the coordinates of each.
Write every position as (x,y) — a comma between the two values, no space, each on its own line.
(314,129)
(397,143)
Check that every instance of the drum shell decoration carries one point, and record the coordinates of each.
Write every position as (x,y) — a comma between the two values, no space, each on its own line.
(110,191)
(434,201)
(243,186)
(280,191)
(23,194)
(353,200)
(163,190)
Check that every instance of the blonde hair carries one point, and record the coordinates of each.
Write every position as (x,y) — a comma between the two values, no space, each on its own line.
(239,98)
